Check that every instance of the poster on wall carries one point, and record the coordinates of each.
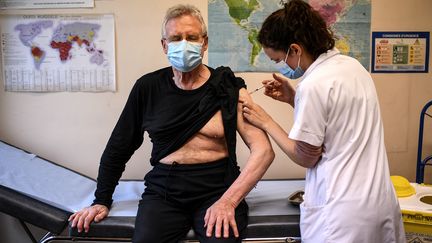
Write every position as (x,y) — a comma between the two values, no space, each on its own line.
(51,53)
(234,26)
(400,52)
(37,4)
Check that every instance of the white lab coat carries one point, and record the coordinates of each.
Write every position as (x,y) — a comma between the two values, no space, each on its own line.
(349,196)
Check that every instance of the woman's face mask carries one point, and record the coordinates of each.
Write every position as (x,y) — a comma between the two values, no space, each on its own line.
(286,71)
(184,55)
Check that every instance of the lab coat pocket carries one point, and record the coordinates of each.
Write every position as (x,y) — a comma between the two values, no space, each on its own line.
(312,224)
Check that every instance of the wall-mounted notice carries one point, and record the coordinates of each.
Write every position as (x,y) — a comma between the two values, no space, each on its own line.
(34,4)
(44,53)
(400,52)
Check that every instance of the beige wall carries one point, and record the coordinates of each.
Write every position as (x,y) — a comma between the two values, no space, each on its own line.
(72,128)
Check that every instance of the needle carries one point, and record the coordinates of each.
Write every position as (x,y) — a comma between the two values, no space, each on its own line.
(255,90)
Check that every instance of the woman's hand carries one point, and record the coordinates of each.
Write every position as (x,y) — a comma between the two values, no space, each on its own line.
(255,114)
(279,89)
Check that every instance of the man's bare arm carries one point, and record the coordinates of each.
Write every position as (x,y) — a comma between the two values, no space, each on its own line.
(220,216)
(260,158)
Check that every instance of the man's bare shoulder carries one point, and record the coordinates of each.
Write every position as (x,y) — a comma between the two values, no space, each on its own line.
(244,96)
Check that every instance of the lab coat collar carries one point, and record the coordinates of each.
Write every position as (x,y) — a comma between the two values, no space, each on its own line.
(321,59)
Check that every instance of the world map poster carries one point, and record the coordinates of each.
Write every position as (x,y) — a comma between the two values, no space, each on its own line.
(234,27)
(50,53)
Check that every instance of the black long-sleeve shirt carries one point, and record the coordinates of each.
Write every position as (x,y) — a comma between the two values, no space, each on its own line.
(171,116)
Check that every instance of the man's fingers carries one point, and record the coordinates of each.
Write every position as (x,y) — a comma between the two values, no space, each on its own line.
(88,219)
(221,227)
(206,218)
(218,229)
(100,216)
(233,224)
(210,224)
(80,222)
(83,218)
(226,229)
(74,219)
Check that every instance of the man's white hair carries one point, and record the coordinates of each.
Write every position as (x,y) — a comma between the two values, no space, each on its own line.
(180,10)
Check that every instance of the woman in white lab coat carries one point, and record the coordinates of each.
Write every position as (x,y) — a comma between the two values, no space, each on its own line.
(337,132)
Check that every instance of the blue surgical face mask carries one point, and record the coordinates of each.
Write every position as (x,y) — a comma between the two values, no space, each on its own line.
(184,55)
(286,71)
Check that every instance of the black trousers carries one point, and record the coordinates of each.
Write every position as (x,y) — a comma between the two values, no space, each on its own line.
(176,199)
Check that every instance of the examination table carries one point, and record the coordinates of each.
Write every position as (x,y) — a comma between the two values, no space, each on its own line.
(44,194)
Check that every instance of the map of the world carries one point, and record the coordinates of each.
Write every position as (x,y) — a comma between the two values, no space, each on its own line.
(52,53)
(234,26)
(63,38)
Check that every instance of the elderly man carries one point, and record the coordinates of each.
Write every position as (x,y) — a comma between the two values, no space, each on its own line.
(190,112)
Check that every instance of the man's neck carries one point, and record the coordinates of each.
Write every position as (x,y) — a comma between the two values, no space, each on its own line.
(193,79)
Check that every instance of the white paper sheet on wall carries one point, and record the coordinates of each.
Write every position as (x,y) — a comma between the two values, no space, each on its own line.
(51,53)
(34,4)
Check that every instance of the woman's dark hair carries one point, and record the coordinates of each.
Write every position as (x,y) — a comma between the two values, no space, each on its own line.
(297,23)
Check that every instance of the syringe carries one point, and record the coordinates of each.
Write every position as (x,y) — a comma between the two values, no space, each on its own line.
(255,90)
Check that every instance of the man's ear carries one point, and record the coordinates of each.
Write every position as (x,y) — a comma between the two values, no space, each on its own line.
(164,45)
(205,44)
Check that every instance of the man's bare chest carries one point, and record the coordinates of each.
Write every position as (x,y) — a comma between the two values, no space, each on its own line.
(214,127)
